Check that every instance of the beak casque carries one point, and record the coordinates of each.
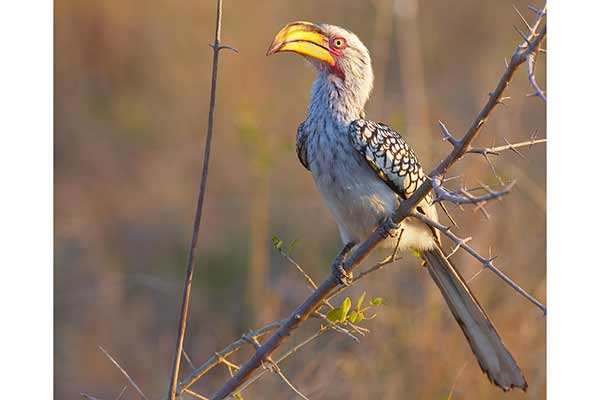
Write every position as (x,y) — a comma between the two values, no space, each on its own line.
(304,38)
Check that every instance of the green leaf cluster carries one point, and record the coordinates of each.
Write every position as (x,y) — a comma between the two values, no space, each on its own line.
(343,314)
(278,244)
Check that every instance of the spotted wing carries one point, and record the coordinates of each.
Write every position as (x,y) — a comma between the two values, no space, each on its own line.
(389,156)
(301,146)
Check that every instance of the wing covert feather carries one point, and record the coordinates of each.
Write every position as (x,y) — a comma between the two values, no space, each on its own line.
(388,155)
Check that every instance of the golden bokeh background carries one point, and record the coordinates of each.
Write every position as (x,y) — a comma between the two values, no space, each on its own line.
(131,96)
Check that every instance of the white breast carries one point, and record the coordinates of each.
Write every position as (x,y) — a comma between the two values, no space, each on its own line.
(358,199)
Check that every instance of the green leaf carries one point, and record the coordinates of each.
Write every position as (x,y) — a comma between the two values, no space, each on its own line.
(359,317)
(339,314)
(346,304)
(360,300)
(277,243)
(353,316)
(376,301)
(335,315)
(356,316)
(291,246)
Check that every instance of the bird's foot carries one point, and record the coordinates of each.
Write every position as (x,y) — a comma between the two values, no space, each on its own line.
(340,273)
(342,276)
(388,228)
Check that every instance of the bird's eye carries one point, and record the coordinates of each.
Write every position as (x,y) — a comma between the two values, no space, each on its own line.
(338,43)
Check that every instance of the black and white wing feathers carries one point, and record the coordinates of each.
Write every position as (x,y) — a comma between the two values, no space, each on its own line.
(388,155)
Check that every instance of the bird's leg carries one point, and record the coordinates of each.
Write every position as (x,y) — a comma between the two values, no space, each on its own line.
(337,268)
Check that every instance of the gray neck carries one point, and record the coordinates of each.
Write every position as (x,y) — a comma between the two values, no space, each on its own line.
(332,99)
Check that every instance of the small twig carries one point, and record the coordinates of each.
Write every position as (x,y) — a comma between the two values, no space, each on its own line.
(502,101)
(458,246)
(448,136)
(336,327)
(523,36)
(228,363)
(223,47)
(279,372)
(531,54)
(508,146)
(531,76)
(230,370)
(121,394)
(196,395)
(496,150)
(131,381)
(359,329)
(460,371)
(491,165)
(189,360)
(89,397)
(299,268)
(514,149)
(540,13)
(465,197)
(252,340)
(522,17)
(475,275)
(486,262)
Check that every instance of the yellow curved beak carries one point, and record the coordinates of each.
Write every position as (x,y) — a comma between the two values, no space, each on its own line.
(304,38)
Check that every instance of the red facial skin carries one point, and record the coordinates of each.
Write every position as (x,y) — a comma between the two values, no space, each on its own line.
(336,45)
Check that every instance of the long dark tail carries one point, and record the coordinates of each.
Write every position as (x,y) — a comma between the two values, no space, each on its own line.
(493,357)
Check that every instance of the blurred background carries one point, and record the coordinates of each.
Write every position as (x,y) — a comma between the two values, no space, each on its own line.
(131,96)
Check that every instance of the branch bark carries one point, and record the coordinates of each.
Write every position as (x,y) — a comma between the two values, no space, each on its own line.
(530,44)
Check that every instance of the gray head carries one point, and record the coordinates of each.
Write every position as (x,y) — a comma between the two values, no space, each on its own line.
(341,59)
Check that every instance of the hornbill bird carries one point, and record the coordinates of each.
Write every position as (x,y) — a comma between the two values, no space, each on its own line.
(364,170)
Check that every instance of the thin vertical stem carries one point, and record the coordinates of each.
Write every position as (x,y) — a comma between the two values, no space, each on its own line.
(187,288)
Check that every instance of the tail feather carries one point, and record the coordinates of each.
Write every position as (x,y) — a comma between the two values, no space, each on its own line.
(493,357)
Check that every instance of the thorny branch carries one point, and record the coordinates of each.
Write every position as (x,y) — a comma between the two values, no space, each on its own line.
(509,146)
(531,76)
(220,357)
(131,381)
(464,197)
(273,366)
(326,302)
(278,361)
(532,55)
(487,263)
(530,43)
(487,151)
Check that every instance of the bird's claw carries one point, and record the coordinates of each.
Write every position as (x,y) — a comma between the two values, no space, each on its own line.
(388,228)
(342,276)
